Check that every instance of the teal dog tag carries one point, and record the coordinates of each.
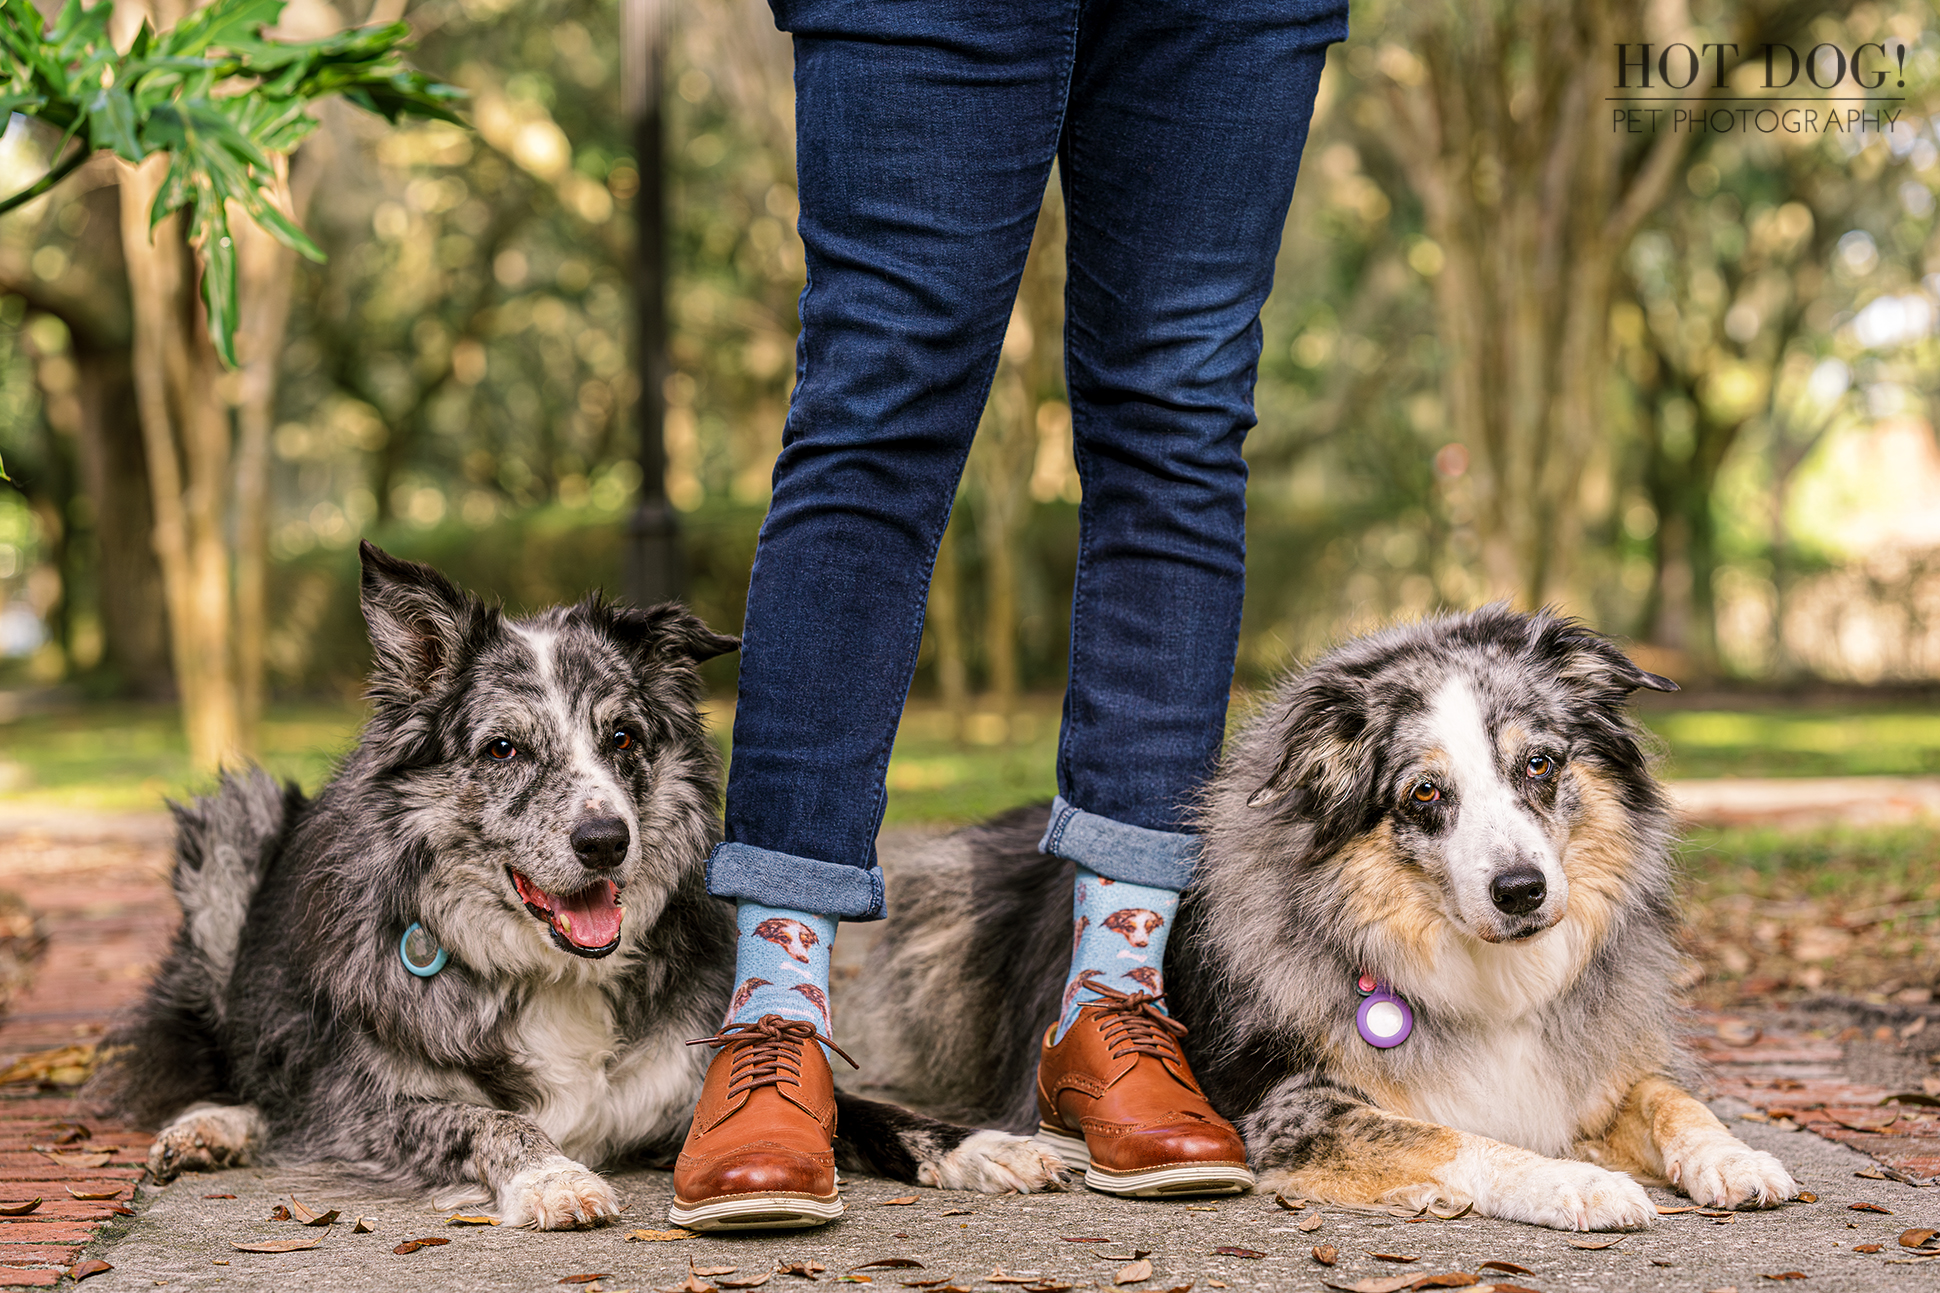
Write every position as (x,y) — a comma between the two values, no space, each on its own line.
(420,952)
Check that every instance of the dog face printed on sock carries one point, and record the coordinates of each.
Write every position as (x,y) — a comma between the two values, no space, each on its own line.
(1071,989)
(742,993)
(791,936)
(1147,977)
(1135,923)
(818,999)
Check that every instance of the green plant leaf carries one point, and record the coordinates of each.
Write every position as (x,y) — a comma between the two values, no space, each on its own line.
(112,124)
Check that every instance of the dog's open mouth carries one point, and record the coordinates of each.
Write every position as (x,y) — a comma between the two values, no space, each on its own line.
(586,923)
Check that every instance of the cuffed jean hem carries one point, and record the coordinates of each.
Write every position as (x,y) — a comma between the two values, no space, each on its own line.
(798,884)
(1131,854)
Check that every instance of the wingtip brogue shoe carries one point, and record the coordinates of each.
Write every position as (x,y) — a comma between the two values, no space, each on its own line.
(1116,1098)
(759,1156)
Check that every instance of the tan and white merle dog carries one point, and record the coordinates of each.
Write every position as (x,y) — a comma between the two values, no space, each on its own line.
(536,797)
(1459,812)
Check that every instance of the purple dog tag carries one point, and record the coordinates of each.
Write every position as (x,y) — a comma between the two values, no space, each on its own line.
(1384,1019)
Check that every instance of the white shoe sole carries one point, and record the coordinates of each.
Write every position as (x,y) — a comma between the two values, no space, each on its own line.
(1153,1182)
(756,1212)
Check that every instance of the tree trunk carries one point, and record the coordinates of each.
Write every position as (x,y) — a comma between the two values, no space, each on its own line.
(185,430)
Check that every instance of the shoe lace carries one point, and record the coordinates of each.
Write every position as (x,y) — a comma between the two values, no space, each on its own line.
(1132,1024)
(767,1051)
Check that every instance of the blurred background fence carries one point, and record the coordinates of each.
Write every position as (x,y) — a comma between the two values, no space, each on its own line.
(1679,382)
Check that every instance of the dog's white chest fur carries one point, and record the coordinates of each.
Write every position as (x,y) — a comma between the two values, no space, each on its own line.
(1505,1089)
(1506,1082)
(593,1100)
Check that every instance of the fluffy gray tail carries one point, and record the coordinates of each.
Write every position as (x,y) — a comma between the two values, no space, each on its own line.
(163,1054)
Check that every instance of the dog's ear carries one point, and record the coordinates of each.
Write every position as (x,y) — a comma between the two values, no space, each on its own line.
(671,631)
(419,624)
(1591,661)
(1322,735)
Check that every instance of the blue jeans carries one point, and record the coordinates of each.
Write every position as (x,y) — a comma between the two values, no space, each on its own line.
(925,135)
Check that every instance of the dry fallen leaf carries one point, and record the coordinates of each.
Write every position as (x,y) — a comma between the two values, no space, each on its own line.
(1736,1032)
(896,1203)
(1326,1254)
(691,1285)
(217,1196)
(66,1133)
(412,1245)
(1448,1280)
(301,1213)
(1869,1207)
(708,1272)
(999,1276)
(96,1159)
(1395,1257)
(1310,1224)
(658,1236)
(1176,1288)
(101,1196)
(279,1213)
(1509,1267)
(363,1227)
(92,1266)
(1238,1252)
(926,1284)
(807,1270)
(1806,1196)
(1393,1284)
(586,1279)
(1465,1209)
(1600,1241)
(908,1262)
(1663,1211)
(463,1219)
(958,1212)
(1082,1239)
(324,1219)
(1291,1205)
(752,1282)
(1865,1248)
(1133,1272)
(1784,1275)
(1058,1286)
(1716,1212)
(278,1245)
(1914,1238)
(22,1209)
(62,1066)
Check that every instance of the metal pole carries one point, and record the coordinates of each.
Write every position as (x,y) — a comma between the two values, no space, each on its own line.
(655,570)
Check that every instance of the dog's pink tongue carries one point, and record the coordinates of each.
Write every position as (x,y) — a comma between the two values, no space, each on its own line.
(591,917)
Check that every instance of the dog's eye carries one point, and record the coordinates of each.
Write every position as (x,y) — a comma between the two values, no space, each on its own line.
(502,749)
(1425,792)
(1539,766)
(622,739)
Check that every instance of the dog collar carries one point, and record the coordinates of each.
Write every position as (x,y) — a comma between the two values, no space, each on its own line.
(1385,1019)
(420,952)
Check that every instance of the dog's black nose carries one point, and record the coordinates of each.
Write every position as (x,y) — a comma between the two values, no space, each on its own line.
(1518,892)
(601,841)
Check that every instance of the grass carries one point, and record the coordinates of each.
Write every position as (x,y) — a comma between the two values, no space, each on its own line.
(121,757)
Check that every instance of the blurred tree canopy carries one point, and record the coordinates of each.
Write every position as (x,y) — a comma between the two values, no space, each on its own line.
(1516,349)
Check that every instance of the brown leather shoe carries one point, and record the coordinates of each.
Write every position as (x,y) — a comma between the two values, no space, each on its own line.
(758,1156)
(1117,1099)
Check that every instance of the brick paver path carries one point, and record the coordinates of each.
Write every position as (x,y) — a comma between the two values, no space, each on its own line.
(101,891)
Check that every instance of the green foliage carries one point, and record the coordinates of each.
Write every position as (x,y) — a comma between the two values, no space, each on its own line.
(215,95)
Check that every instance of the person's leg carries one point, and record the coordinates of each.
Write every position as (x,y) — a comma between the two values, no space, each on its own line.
(1181,144)
(925,135)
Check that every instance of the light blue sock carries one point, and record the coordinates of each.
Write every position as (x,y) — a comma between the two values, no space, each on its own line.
(781,965)
(1118,933)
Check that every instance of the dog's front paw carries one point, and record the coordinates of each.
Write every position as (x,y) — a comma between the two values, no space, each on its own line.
(558,1194)
(1572,1196)
(204,1138)
(1724,1172)
(994,1162)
